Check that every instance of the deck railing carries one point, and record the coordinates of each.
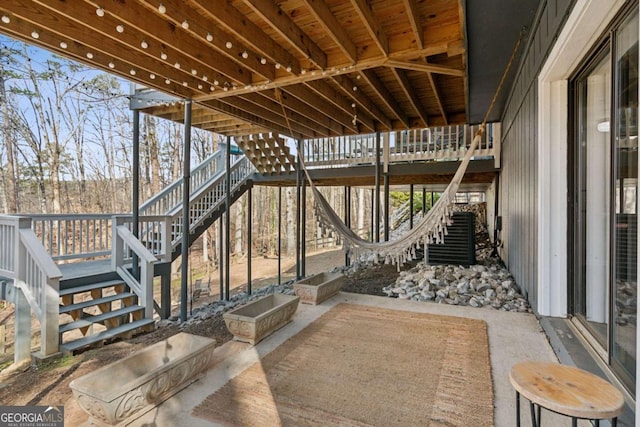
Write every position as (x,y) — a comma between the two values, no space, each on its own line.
(74,236)
(26,262)
(438,143)
(125,242)
(171,196)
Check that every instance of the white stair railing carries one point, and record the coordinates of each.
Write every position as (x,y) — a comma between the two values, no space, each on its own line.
(123,242)
(171,196)
(26,262)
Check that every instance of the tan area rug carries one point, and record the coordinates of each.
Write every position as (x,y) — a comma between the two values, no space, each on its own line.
(360,366)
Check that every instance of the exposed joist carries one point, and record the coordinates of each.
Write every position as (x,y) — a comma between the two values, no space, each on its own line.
(156,31)
(303,94)
(369,20)
(385,96)
(425,67)
(294,104)
(200,28)
(267,113)
(410,93)
(251,118)
(28,19)
(413,15)
(292,115)
(325,17)
(347,84)
(438,97)
(327,92)
(269,11)
(242,28)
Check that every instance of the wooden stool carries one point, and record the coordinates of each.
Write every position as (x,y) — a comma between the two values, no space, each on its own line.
(565,390)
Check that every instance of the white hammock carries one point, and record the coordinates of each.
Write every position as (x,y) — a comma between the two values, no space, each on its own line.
(431,229)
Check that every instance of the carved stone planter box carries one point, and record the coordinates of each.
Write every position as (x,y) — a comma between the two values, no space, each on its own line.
(254,321)
(317,288)
(124,390)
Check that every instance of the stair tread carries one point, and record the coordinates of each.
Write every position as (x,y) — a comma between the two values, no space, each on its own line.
(93,302)
(88,321)
(105,335)
(90,287)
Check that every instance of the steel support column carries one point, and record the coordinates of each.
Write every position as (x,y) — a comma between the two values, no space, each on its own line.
(347,217)
(377,189)
(186,177)
(279,235)
(135,190)
(249,231)
(221,254)
(424,200)
(227,221)
(410,206)
(386,207)
(298,193)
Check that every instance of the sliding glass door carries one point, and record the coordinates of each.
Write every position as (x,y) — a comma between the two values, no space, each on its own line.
(603,218)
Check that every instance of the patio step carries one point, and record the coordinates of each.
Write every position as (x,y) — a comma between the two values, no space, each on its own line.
(90,287)
(100,338)
(94,302)
(100,318)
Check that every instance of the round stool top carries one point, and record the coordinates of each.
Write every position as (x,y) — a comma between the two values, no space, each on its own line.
(567,390)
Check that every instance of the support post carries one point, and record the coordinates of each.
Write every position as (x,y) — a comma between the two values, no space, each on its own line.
(410,206)
(279,235)
(22,345)
(377,189)
(165,293)
(303,226)
(221,254)
(298,194)
(372,219)
(135,190)
(227,220)
(347,217)
(186,196)
(249,231)
(424,200)
(386,207)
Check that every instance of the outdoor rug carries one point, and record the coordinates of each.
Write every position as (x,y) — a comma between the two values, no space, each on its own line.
(359,366)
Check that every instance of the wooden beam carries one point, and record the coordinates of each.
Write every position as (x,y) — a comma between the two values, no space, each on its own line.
(269,114)
(324,90)
(347,84)
(27,18)
(241,114)
(425,67)
(385,96)
(271,13)
(377,33)
(438,96)
(237,24)
(416,26)
(294,104)
(410,92)
(326,18)
(332,112)
(294,117)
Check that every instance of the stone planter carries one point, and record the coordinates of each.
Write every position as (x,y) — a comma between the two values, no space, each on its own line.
(317,288)
(254,321)
(124,390)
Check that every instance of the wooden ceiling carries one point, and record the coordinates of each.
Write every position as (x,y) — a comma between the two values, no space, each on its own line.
(304,68)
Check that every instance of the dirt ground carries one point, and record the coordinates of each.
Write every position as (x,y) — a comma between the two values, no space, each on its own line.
(47,382)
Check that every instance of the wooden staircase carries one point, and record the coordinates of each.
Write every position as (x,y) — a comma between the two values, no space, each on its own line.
(98,312)
(270,155)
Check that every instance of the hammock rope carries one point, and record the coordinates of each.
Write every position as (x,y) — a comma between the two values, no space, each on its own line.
(432,228)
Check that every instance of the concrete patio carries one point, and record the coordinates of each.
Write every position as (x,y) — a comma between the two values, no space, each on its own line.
(513,337)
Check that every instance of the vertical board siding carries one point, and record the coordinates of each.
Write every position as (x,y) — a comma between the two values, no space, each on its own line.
(518,178)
